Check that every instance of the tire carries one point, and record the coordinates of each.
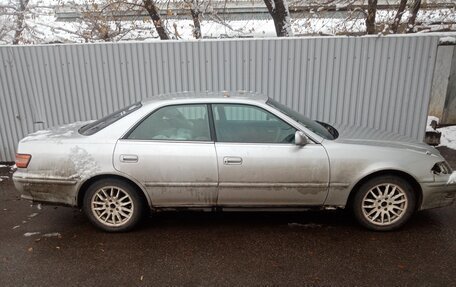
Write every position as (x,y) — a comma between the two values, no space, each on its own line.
(384,203)
(113,205)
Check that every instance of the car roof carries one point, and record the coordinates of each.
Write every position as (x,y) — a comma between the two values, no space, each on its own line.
(207,96)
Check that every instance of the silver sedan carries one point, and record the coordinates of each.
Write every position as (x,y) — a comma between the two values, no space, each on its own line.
(228,151)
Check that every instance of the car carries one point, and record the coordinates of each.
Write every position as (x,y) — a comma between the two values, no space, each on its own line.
(228,151)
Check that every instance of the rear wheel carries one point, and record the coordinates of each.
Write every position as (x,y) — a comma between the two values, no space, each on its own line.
(113,205)
(384,203)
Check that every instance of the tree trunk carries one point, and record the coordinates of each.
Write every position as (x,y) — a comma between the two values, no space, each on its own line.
(370,19)
(150,7)
(20,21)
(280,15)
(196,23)
(413,11)
(398,17)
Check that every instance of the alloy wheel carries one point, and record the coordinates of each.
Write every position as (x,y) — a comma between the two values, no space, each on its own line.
(384,204)
(112,206)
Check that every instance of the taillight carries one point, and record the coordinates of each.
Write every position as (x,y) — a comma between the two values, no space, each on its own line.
(22,160)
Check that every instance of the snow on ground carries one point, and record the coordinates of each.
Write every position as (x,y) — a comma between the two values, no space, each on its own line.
(28,234)
(42,25)
(430,119)
(3,177)
(452,178)
(12,167)
(53,234)
(448,138)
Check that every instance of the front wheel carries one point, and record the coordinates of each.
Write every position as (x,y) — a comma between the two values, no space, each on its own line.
(113,205)
(384,203)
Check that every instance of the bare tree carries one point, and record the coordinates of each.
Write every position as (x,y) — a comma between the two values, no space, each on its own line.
(398,17)
(413,13)
(281,16)
(15,24)
(21,21)
(22,5)
(196,11)
(152,9)
(5,27)
(14,18)
(371,14)
(112,20)
(103,20)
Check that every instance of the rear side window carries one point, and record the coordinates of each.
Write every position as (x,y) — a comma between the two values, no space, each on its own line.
(100,124)
(177,123)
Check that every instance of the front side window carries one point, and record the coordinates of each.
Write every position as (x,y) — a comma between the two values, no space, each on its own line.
(314,126)
(177,123)
(249,124)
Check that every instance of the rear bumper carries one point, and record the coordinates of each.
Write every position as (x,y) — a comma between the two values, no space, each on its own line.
(52,190)
(438,194)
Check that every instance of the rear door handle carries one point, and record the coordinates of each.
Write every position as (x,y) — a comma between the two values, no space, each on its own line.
(232,160)
(128,158)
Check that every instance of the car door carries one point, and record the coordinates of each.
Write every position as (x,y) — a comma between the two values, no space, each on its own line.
(259,164)
(171,153)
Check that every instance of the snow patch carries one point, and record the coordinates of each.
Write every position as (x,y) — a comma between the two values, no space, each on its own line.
(448,40)
(429,124)
(452,179)
(341,6)
(65,131)
(28,234)
(448,137)
(432,118)
(54,234)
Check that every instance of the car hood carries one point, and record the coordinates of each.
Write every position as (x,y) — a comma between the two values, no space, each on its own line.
(374,137)
(68,131)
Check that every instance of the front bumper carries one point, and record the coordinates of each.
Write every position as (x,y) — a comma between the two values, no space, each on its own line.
(53,190)
(438,194)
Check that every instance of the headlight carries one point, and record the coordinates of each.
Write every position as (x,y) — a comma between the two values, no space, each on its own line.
(441,167)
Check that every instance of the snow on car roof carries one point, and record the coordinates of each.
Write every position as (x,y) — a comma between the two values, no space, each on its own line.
(207,95)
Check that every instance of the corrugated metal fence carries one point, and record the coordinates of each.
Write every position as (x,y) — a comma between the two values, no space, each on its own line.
(378,82)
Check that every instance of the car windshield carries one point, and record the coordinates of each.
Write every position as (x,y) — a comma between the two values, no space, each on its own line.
(100,124)
(305,121)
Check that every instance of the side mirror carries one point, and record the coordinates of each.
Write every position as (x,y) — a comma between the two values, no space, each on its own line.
(300,138)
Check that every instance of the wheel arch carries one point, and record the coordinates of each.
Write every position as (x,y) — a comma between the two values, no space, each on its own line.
(87,183)
(406,176)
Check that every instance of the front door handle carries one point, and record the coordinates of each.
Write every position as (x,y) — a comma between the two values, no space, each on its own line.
(128,158)
(232,160)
